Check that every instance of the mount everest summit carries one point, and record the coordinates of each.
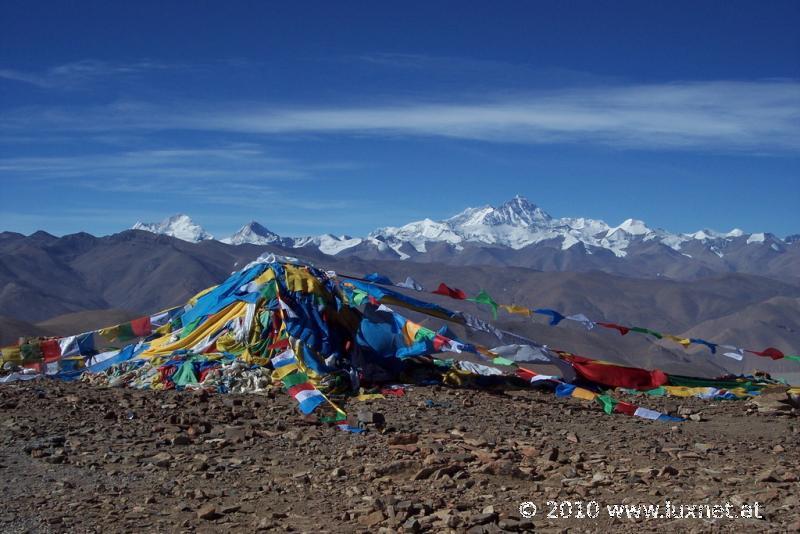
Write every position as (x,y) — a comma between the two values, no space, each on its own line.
(519,233)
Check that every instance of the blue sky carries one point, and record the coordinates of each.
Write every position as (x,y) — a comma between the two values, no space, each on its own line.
(338,117)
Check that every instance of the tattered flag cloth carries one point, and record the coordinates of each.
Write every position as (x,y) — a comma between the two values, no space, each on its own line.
(616,375)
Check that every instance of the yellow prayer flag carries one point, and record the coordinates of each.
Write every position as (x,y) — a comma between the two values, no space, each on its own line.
(519,310)
(585,394)
(680,340)
(299,279)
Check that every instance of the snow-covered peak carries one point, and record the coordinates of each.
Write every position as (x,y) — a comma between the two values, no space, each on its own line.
(756,238)
(631,227)
(417,233)
(706,234)
(327,243)
(252,233)
(179,226)
(518,212)
(515,224)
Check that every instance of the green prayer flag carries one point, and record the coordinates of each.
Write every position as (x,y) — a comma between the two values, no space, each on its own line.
(334,419)
(185,374)
(646,331)
(484,298)
(502,361)
(358,297)
(606,402)
(424,333)
(293,379)
(270,290)
(692,382)
(794,358)
(125,332)
(189,328)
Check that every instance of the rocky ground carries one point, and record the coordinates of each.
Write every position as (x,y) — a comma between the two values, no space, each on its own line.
(84,459)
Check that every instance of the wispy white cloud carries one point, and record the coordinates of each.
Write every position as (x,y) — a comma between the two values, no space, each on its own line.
(79,73)
(724,115)
(241,175)
(243,162)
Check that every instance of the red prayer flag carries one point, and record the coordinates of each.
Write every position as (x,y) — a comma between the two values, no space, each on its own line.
(51,351)
(141,327)
(617,376)
(440,341)
(770,352)
(280,344)
(622,329)
(305,386)
(625,407)
(451,292)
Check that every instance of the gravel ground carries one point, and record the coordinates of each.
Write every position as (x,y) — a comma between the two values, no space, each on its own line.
(78,458)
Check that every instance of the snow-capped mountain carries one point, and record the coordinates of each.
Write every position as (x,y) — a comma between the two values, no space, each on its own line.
(326,243)
(517,224)
(180,226)
(254,234)
(522,234)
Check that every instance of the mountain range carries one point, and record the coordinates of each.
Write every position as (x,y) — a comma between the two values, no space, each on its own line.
(519,233)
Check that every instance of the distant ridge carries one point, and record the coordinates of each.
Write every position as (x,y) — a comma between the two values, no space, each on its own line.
(521,233)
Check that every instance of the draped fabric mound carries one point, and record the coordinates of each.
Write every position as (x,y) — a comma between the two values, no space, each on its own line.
(325,339)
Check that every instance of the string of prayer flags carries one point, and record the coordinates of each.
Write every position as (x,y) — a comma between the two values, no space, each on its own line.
(557,317)
(609,404)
